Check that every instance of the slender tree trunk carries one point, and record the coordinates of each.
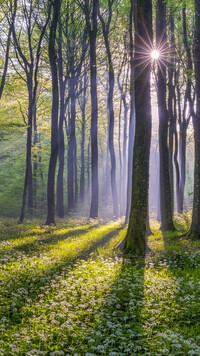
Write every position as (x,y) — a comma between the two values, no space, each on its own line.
(182,160)
(165,189)
(54,117)
(35,156)
(124,175)
(137,227)
(7,51)
(172,113)
(61,143)
(94,116)
(61,151)
(111,81)
(195,226)
(75,176)
(120,160)
(171,128)
(28,171)
(30,175)
(88,171)
(132,116)
(71,146)
(187,105)
(82,176)
(123,162)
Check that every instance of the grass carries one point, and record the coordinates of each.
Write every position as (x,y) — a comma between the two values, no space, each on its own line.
(67,290)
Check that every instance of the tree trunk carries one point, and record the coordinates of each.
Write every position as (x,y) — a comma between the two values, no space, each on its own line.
(82,176)
(195,226)
(165,189)
(35,156)
(137,227)
(185,119)
(123,162)
(111,80)
(88,171)
(120,161)
(7,50)
(75,176)
(54,117)
(94,115)
(28,172)
(71,146)
(132,116)
(61,143)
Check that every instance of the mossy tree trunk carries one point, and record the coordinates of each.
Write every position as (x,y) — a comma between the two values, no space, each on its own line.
(137,227)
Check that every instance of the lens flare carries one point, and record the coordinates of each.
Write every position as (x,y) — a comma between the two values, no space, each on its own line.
(155,54)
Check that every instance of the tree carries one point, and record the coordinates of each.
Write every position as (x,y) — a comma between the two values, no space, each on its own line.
(29,62)
(132,114)
(187,109)
(82,104)
(165,189)
(90,10)
(195,225)
(72,48)
(12,10)
(54,115)
(123,163)
(137,227)
(111,81)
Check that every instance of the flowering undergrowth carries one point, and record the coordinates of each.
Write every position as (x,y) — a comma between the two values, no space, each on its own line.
(67,290)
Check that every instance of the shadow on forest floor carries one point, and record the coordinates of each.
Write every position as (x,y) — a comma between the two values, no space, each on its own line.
(41,242)
(31,273)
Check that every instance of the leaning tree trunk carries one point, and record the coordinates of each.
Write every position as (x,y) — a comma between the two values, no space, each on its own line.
(7,50)
(54,117)
(195,226)
(137,227)
(165,189)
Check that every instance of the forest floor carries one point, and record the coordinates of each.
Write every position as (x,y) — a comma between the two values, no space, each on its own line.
(68,290)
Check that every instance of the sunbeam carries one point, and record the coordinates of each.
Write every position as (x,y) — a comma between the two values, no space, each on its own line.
(155,54)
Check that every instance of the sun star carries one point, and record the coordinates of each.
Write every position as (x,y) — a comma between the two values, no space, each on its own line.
(155,54)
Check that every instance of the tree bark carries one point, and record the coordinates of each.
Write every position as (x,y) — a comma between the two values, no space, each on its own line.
(61,143)
(111,81)
(132,115)
(83,106)
(71,146)
(92,30)
(137,227)
(54,116)
(7,51)
(165,189)
(195,226)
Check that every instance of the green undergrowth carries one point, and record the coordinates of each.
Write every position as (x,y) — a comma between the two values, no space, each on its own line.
(68,290)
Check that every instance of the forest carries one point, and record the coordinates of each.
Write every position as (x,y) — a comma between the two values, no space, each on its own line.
(99,177)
